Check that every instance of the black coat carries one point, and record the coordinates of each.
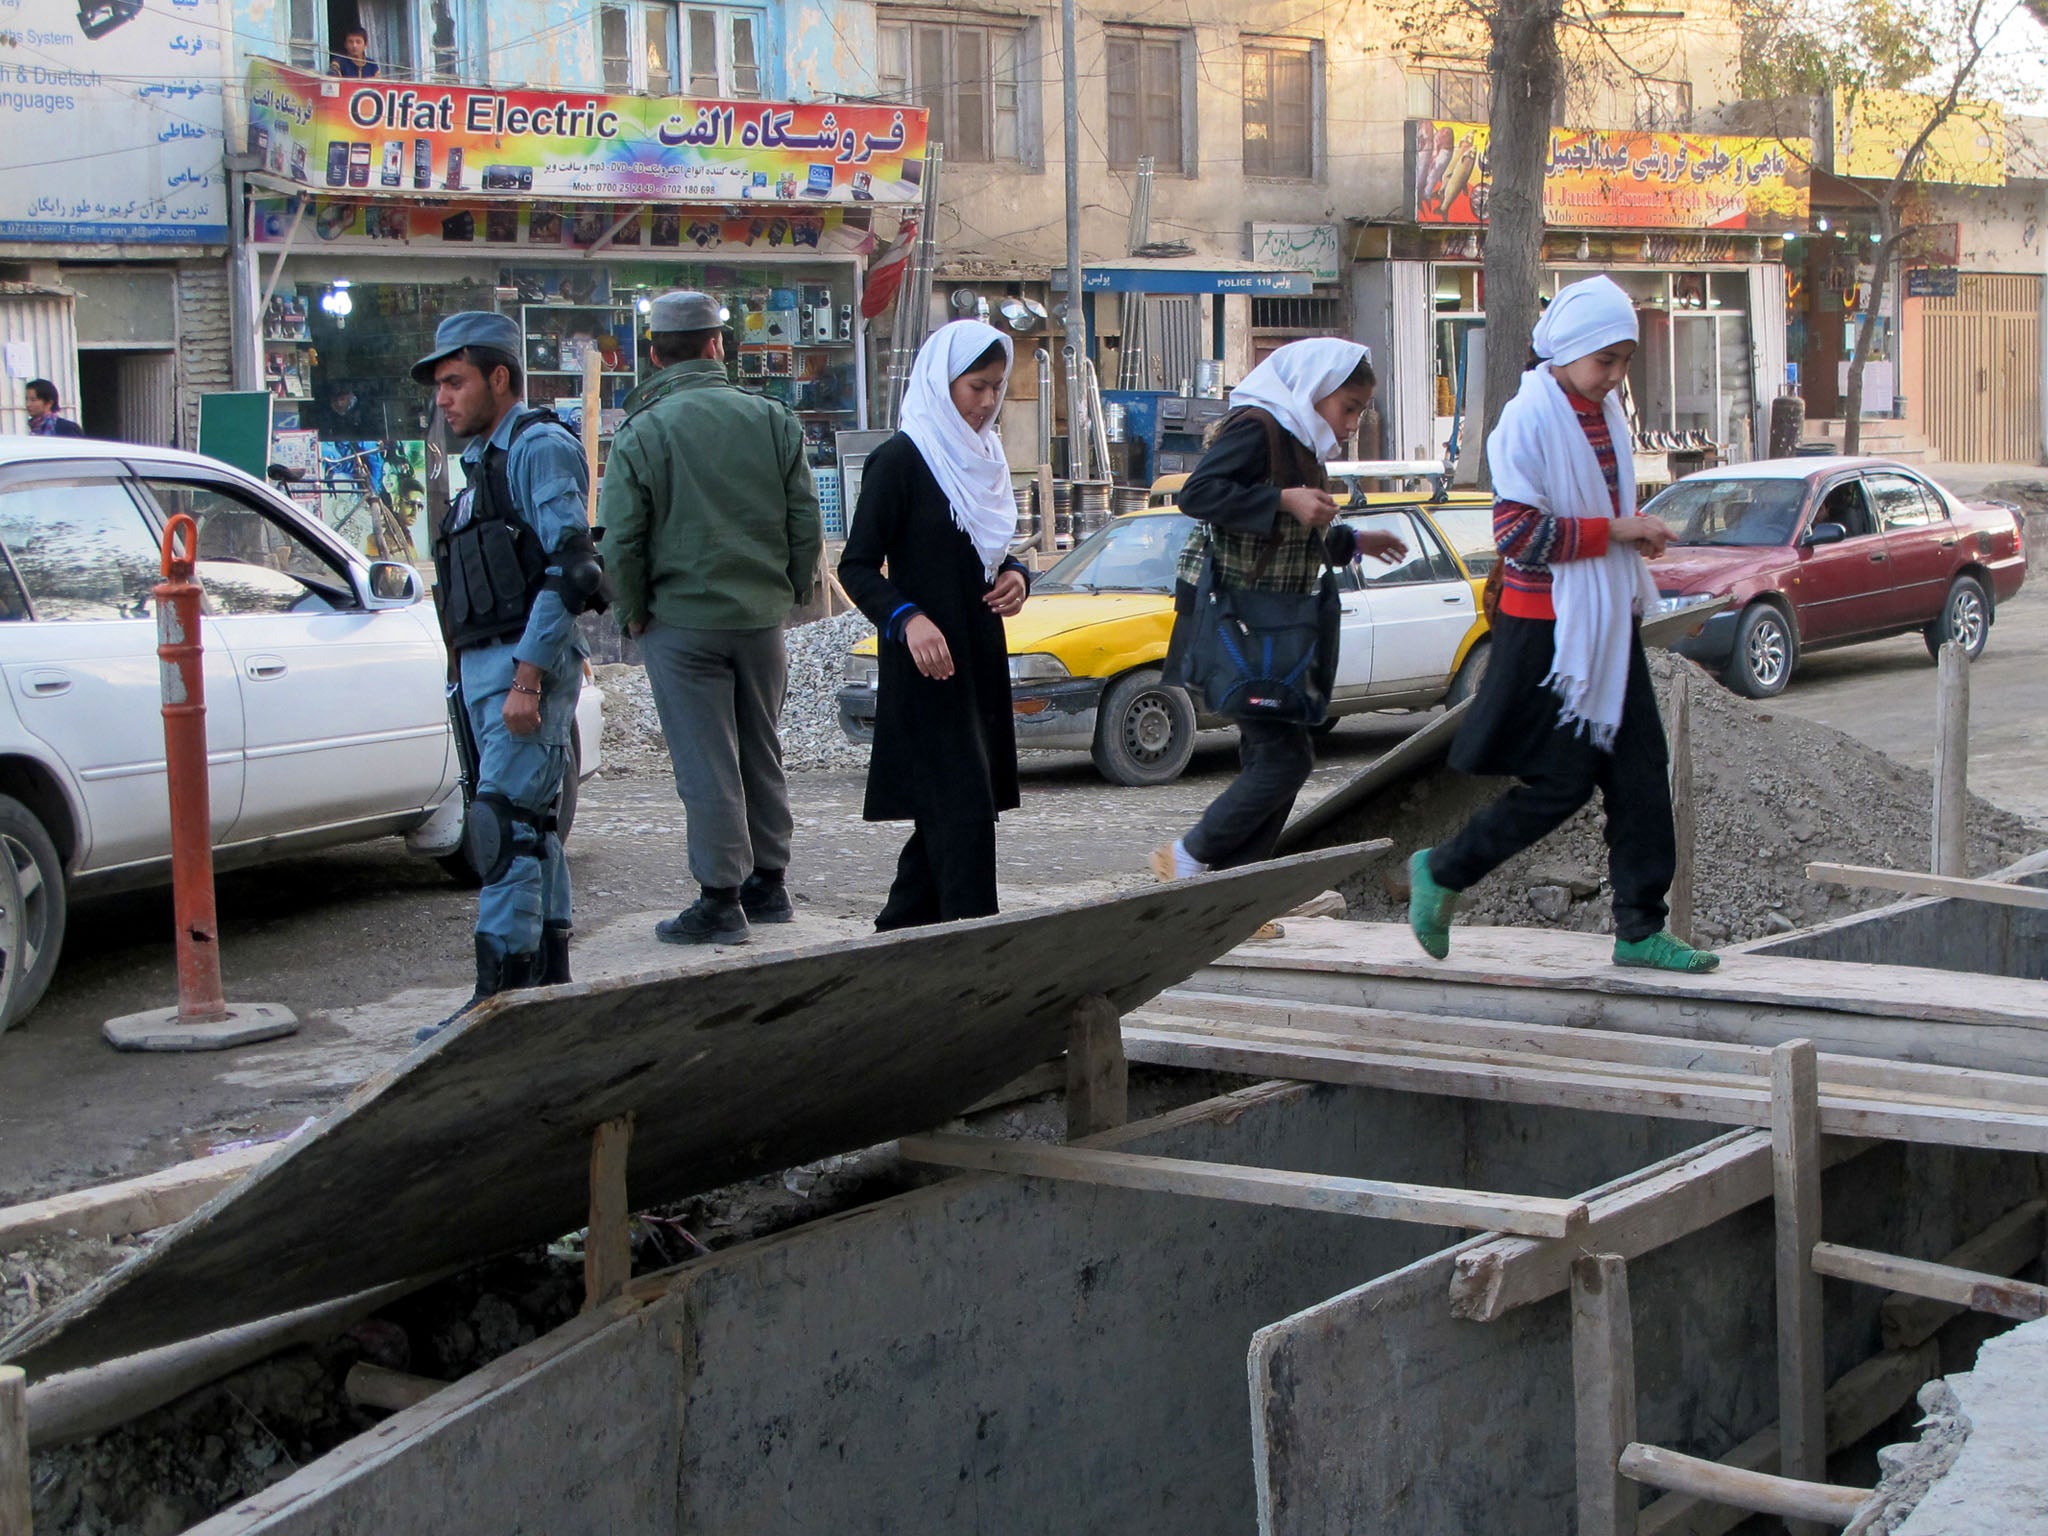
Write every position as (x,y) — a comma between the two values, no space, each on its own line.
(944,751)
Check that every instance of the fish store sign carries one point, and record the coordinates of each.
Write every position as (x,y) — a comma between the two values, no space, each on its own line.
(1599,180)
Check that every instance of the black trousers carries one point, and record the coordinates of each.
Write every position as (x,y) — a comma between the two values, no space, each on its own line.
(946,871)
(1243,824)
(1635,791)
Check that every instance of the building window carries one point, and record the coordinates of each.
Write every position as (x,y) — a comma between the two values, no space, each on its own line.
(1451,95)
(1146,75)
(1663,106)
(659,48)
(965,74)
(1281,77)
(406,39)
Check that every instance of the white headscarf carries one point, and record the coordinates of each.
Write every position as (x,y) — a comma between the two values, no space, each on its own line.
(969,465)
(1584,318)
(1288,384)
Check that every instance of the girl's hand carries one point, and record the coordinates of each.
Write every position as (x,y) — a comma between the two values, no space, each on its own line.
(1007,595)
(1308,506)
(1383,547)
(928,648)
(1649,534)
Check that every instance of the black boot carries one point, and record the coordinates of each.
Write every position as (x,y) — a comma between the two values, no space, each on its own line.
(554,954)
(714,918)
(765,899)
(496,972)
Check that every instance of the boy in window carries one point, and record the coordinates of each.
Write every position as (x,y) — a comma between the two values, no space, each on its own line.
(354,61)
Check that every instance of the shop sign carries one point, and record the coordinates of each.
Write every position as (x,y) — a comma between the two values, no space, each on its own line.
(1623,180)
(1874,129)
(1186,280)
(136,92)
(1310,248)
(567,229)
(1931,282)
(388,139)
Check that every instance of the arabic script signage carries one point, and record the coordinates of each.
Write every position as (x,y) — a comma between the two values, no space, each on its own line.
(1310,248)
(1617,180)
(132,94)
(382,138)
(1874,129)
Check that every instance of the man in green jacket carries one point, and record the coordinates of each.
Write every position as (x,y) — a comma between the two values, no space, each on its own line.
(712,535)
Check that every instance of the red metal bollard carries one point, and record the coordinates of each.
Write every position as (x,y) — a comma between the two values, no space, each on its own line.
(184,685)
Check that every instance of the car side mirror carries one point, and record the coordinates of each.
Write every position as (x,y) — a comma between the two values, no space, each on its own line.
(1824,533)
(392,584)
(281,474)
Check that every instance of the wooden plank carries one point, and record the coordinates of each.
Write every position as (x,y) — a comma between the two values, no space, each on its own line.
(1991,1127)
(1682,819)
(1793,1499)
(608,1238)
(477,1143)
(14,1494)
(1795,1170)
(1046,1077)
(2020,1300)
(372,1386)
(1998,893)
(1865,1399)
(1951,853)
(129,1206)
(1380,1199)
(2008,1244)
(1098,1079)
(1603,1392)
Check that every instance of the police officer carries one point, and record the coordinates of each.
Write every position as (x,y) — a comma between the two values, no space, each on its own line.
(515,564)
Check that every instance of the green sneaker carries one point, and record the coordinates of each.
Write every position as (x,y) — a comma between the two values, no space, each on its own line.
(1429,907)
(1662,952)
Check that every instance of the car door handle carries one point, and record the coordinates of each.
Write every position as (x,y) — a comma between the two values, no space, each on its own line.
(45,685)
(1454,598)
(1877,559)
(263,668)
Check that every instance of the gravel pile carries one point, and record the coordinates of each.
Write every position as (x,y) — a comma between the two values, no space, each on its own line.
(811,738)
(34,1278)
(1771,794)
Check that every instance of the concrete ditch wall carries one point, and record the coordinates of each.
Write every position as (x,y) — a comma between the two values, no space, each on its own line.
(1937,933)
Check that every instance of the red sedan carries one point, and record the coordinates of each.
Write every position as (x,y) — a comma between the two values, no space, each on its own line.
(1824,552)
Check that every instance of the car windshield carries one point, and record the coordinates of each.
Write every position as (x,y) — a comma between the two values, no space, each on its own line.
(1128,554)
(1747,512)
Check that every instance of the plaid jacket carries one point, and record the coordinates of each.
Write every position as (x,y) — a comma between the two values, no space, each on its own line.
(1242,456)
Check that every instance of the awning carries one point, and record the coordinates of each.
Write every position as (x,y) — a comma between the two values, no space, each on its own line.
(1186,274)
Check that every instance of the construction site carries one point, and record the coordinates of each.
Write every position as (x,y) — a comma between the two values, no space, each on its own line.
(1110,1214)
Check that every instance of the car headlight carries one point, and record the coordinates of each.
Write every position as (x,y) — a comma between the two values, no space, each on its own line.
(861,671)
(1037,668)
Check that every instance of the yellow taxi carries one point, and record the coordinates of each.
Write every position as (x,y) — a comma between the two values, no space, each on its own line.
(1085,653)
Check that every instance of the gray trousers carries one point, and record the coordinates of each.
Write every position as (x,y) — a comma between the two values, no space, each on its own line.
(719,694)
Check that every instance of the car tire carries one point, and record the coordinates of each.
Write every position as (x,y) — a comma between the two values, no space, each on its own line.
(463,871)
(44,906)
(1144,730)
(1470,674)
(1766,650)
(1965,616)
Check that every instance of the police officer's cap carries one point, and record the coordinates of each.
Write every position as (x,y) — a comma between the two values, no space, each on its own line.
(685,310)
(470,328)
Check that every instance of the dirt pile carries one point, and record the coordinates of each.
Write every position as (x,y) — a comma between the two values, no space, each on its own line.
(35,1277)
(1771,795)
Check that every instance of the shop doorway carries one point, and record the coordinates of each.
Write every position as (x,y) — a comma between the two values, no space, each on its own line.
(1981,369)
(129,396)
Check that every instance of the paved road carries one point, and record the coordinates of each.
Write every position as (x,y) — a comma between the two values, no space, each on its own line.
(366,941)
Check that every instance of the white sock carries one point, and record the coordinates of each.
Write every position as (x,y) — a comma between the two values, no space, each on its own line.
(1185,863)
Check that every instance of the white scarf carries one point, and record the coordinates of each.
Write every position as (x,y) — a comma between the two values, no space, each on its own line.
(1539,456)
(969,465)
(1288,384)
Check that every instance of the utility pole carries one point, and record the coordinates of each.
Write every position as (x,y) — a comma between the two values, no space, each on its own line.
(1076,329)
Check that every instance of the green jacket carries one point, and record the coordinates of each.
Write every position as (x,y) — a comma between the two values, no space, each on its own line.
(710,518)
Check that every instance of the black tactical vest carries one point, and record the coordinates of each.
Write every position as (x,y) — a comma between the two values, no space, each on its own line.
(492,568)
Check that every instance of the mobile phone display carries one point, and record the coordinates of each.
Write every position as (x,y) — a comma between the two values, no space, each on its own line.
(422,162)
(337,164)
(394,162)
(298,162)
(359,164)
(454,181)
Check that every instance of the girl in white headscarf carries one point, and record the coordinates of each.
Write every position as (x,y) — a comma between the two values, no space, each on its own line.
(1566,704)
(1266,516)
(936,509)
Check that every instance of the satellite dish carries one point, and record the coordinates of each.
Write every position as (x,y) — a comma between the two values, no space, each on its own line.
(964,300)
(1023,315)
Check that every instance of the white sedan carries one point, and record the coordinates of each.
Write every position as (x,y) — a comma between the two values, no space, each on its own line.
(327,716)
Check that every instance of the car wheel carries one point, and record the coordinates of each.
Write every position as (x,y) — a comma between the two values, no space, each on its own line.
(1144,731)
(1765,651)
(1965,619)
(458,865)
(1466,684)
(34,933)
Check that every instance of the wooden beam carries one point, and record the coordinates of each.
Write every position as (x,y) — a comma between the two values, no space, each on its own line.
(1682,818)
(1385,1201)
(133,1205)
(1998,893)
(2010,1243)
(1604,1393)
(14,1497)
(2020,1300)
(1046,1077)
(608,1241)
(372,1386)
(1791,1499)
(1098,1078)
(1795,1168)
(1952,762)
